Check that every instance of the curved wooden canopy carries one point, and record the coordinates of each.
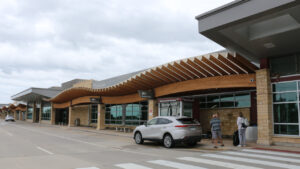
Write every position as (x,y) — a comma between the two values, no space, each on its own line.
(204,67)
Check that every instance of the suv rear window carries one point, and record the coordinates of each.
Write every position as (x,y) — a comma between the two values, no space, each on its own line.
(188,121)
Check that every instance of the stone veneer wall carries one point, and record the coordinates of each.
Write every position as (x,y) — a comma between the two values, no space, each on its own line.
(228,117)
(81,112)
(264,107)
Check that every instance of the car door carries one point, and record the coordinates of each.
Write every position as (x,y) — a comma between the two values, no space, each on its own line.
(161,127)
(147,132)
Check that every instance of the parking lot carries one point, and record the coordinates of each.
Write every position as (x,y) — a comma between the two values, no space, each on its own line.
(33,146)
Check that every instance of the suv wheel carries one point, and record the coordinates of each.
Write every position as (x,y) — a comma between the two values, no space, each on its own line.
(138,138)
(168,141)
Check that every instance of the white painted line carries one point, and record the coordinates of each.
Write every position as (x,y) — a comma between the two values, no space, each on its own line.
(263,156)
(217,163)
(44,150)
(89,168)
(132,166)
(248,160)
(272,153)
(8,133)
(174,164)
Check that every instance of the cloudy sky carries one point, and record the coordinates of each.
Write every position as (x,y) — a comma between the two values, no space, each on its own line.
(46,42)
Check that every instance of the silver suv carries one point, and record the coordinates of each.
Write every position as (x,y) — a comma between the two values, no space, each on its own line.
(169,130)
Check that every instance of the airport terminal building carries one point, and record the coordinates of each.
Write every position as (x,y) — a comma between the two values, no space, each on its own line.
(258,75)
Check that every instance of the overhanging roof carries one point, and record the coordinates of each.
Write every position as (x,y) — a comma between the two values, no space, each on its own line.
(35,94)
(254,28)
(204,66)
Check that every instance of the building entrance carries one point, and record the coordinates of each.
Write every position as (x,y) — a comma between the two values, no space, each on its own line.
(62,116)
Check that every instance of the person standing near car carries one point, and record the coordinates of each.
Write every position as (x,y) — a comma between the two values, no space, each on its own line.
(215,124)
(241,123)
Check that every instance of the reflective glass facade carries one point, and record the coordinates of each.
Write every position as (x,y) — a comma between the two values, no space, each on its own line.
(286,107)
(46,111)
(126,114)
(228,100)
(94,113)
(29,112)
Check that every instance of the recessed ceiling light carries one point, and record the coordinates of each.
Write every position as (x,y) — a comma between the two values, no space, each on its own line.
(269,45)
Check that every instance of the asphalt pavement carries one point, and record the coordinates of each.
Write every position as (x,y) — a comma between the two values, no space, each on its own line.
(32,146)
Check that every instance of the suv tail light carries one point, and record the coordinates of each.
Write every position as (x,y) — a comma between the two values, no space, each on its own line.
(182,126)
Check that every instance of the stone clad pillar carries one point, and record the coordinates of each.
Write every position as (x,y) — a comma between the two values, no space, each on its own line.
(152,109)
(34,112)
(41,110)
(71,119)
(264,107)
(101,117)
(52,114)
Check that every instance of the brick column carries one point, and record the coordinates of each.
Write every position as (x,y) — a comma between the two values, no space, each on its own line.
(152,109)
(21,115)
(15,114)
(264,107)
(40,116)
(101,117)
(34,112)
(71,119)
(52,114)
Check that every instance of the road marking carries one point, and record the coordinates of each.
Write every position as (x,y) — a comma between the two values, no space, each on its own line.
(247,160)
(216,163)
(263,156)
(8,133)
(89,168)
(92,144)
(272,153)
(174,164)
(132,166)
(44,150)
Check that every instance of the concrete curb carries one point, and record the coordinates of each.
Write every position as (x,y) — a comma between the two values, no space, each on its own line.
(278,150)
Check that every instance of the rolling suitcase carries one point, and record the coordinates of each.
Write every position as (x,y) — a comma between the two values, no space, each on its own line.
(236,140)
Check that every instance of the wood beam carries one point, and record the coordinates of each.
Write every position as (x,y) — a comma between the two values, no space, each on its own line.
(183,69)
(192,69)
(122,99)
(228,81)
(212,65)
(231,65)
(178,77)
(199,68)
(222,65)
(166,75)
(238,63)
(206,67)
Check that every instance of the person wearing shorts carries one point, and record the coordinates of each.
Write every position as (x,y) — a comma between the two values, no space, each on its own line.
(216,132)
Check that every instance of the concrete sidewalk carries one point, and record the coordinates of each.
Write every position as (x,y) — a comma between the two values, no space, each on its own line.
(205,144)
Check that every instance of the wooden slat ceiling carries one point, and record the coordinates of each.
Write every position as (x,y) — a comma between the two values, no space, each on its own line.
(211,65)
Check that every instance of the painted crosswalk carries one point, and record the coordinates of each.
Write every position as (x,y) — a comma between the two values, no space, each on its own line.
(245,159)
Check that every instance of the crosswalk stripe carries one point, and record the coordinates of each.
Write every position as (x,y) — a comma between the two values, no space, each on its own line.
(272,153)
(132,166)
(216,163)
(174,164)
(247,160)
(262,156)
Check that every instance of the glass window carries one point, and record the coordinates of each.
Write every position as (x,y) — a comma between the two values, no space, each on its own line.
(213,99)
(188,109)
(163,121)
(242,100)
(152,122)
(285,97)
(285,113)
(29,112)
(286,86)
(135,114)
(170,108)
(283,65)
(286,129)
(46,111)
(94,113)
